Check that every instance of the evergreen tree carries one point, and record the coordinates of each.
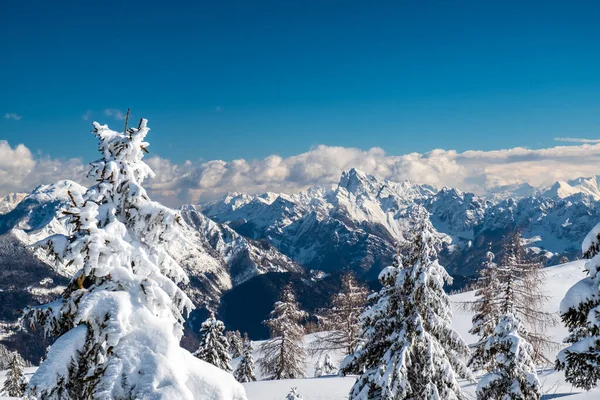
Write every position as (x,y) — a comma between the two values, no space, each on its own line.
(486,312)
(14,381)
(213,345)
(121,315)
(293,395)
(514,375)
(341,321)
(245,369)
(410,350)
(579,312)
(236,345)
(318,368)
(328,366)
(521,284)
(283,356)
(6,357)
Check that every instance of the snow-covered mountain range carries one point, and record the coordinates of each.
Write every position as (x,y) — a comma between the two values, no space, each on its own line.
(349,226)
(354,224)
(215,257)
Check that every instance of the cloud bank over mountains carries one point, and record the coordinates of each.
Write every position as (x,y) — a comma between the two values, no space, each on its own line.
(474,170)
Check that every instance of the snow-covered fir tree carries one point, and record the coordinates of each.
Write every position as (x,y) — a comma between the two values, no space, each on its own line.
(119,321)
(245,369)
(283,356)
(486,308)
(514,375)
(214,348)
(236,345)
(521,282)
(14,380)
(341,321)
(293,395)
(319,368)
(409,349)
(328,365)
(5,357)
(580,313)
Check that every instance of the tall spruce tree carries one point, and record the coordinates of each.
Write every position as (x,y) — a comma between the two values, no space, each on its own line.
(409,349)
(341,321)
(486,308)
(245,369)
(283,356)
(580,313)
(214,348)
(14,381)
(513,375)
(121,315)
(236,344)
(521,282)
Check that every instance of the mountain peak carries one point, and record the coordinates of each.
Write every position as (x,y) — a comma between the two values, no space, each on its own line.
(586,186)
(356,181)
(58,190)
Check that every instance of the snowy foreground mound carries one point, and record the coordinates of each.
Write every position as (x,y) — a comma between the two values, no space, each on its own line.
(558,280)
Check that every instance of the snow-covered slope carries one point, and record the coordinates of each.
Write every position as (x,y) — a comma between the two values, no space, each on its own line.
(245,257)
(214,256)
(558,280)
(354,224)
(349,226)
(10,201)
(587,186)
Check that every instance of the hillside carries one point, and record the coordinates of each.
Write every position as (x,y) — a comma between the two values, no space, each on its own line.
(558,280)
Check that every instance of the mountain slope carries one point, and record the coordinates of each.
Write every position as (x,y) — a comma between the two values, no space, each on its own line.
(215,257)
(354,225)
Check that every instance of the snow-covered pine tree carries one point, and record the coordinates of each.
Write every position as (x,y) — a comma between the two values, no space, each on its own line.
(486,308)
(283,356)
(524,279)
(328,365)
(371,342)
(213,344)
(514,375)
(410,350)
(120,319)
(245,369)
(293,395)
(579,312)
(5,357)
(14,380)
(319,368)
(236,345)
(341,321)
(126,285)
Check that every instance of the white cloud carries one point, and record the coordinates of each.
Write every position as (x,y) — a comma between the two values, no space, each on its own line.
(86,116)
(218,109)
(576,140)
(13,116)
(476,171)
(21,171)
(116,114)
(175,184)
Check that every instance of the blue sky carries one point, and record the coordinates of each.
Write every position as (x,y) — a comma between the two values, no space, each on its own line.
(227,80)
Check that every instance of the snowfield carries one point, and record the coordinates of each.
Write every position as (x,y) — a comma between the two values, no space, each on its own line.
(558,280)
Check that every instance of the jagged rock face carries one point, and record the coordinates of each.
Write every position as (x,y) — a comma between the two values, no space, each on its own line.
(245,258)
(354,225)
